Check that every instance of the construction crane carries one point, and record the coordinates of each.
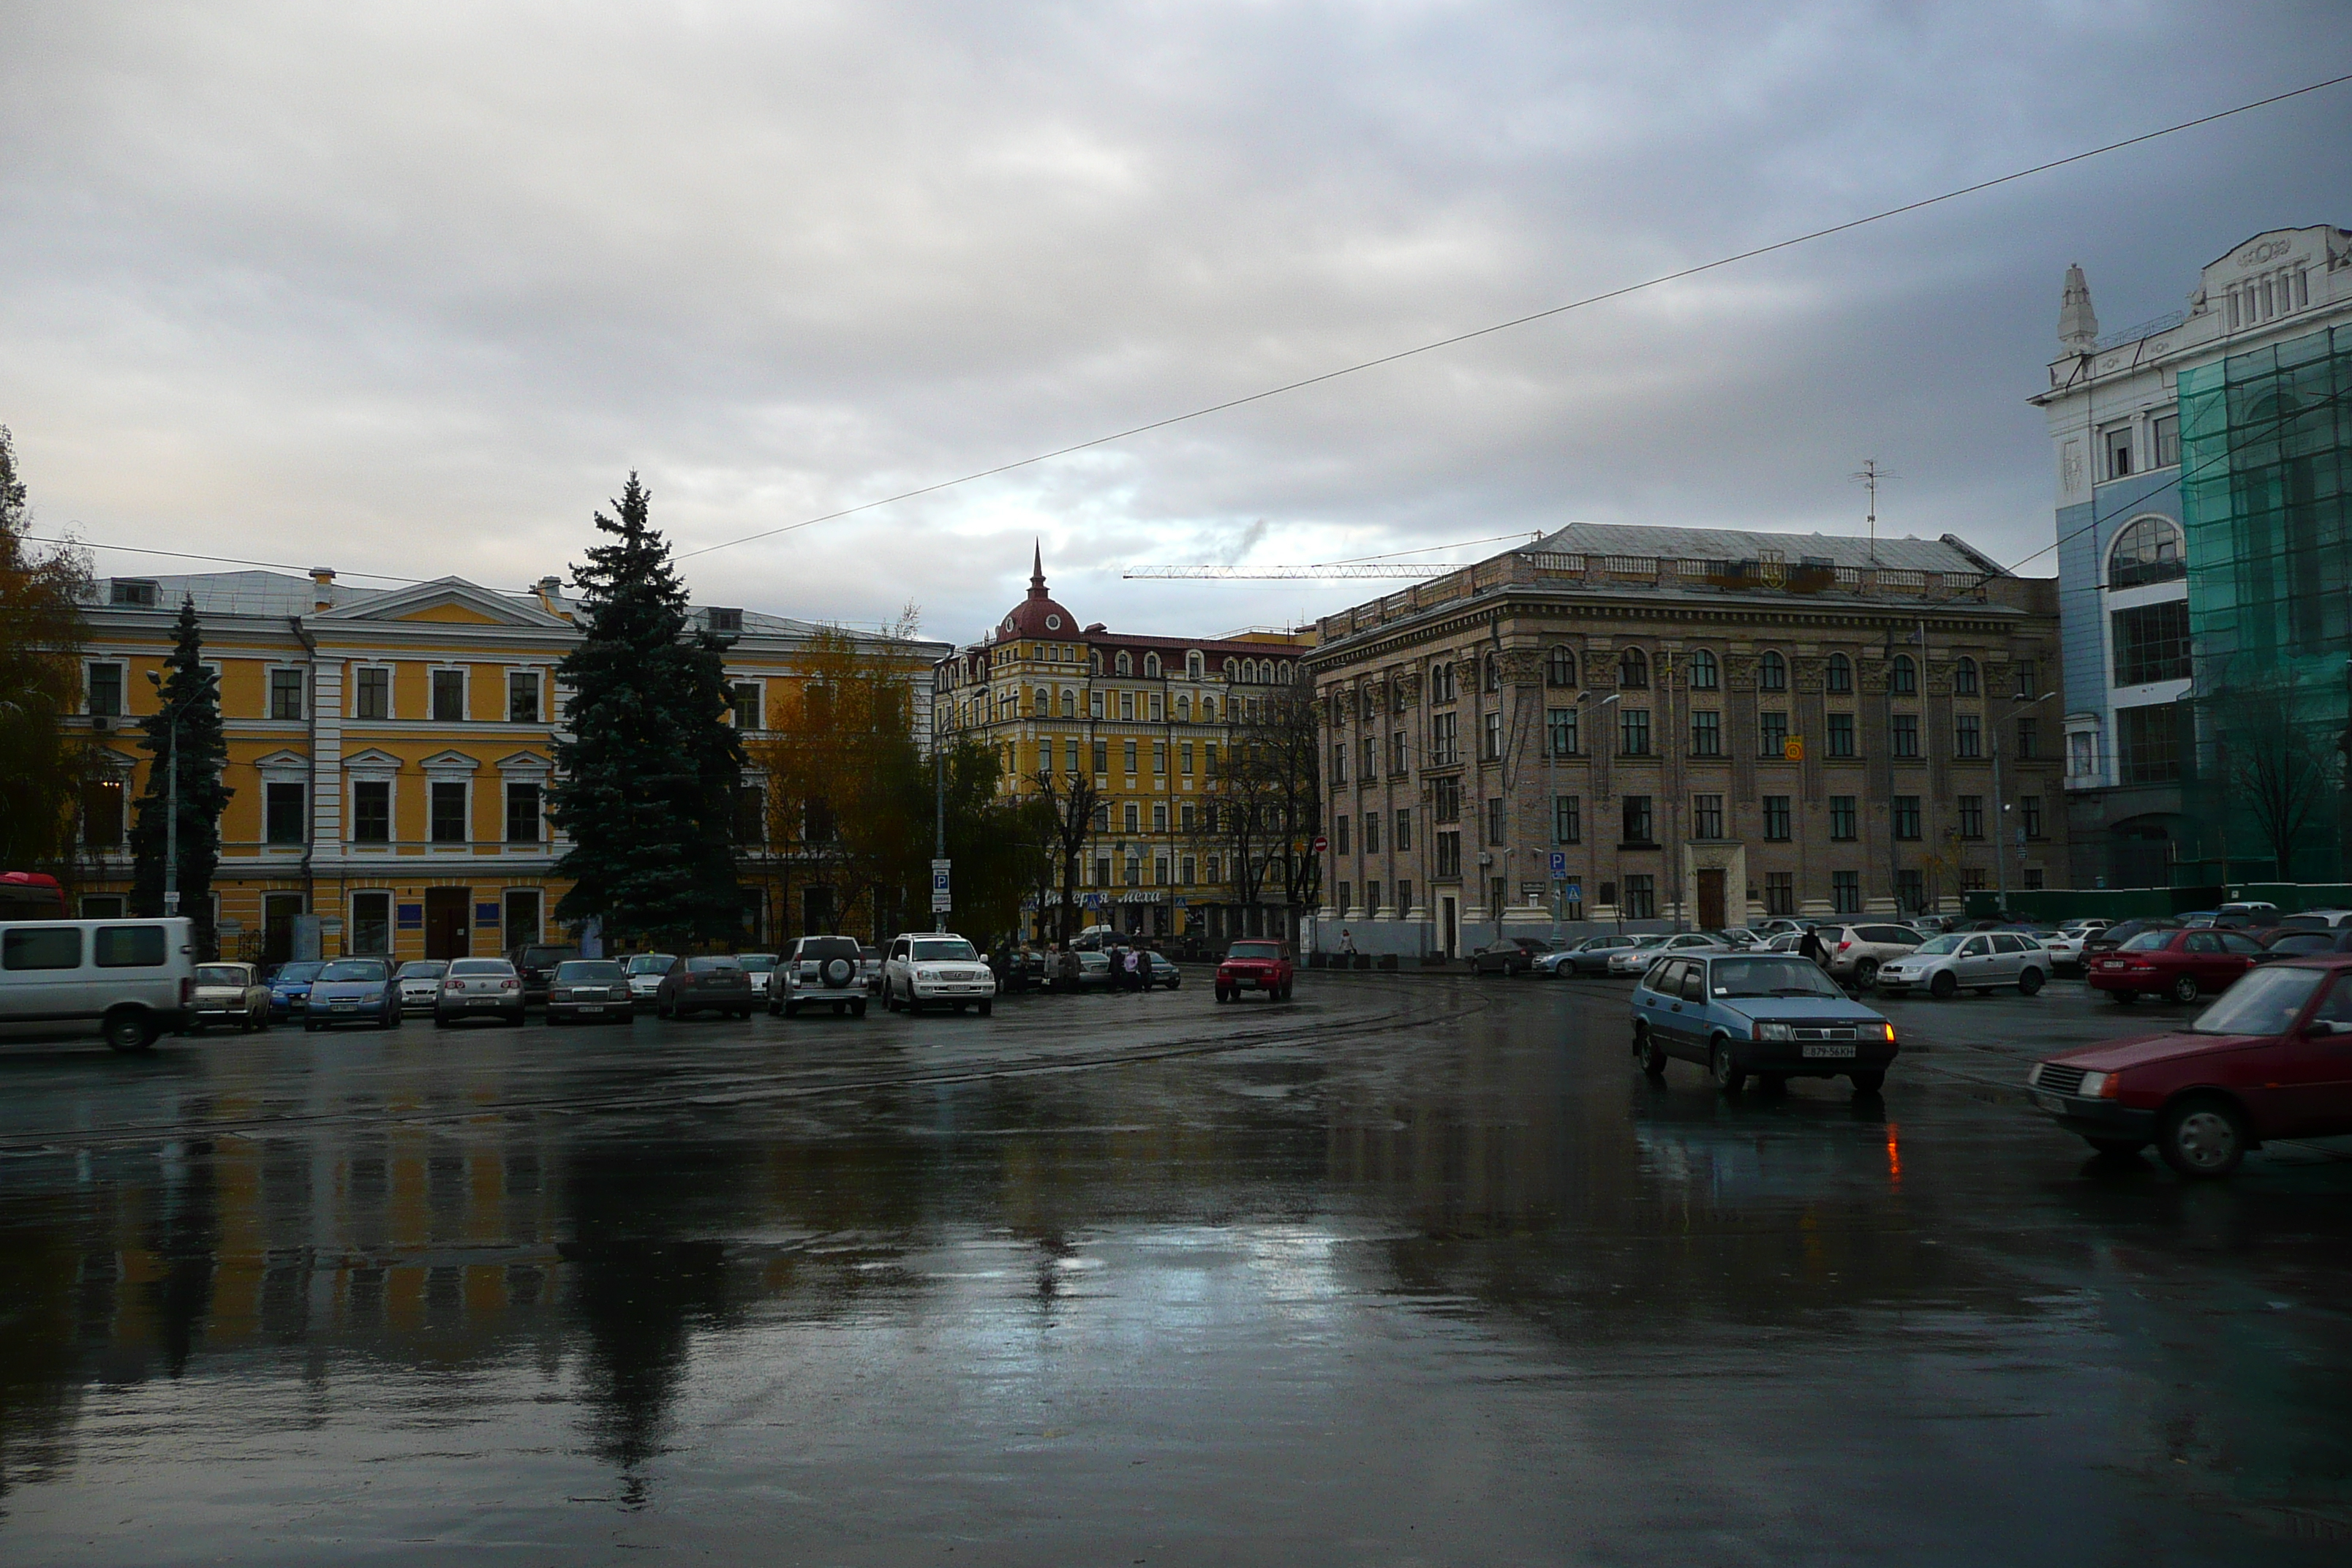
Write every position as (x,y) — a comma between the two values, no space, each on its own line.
(1363,567)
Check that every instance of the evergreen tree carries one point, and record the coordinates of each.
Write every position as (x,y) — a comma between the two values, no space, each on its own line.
(646,785)
(197,754)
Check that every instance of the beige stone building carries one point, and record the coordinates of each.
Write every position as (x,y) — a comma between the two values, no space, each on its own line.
(1630,727)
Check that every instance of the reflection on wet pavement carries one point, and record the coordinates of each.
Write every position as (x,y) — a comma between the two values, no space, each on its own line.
(1424,1273)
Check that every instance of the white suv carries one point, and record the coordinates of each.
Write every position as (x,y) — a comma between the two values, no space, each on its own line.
(935,967)
(818,970)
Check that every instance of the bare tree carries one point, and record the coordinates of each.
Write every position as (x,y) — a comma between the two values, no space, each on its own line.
(1063,819)
(2279,762)
(1266,802)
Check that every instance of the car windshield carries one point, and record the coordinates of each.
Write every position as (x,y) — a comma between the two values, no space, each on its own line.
(943,948)
(1771,977)
(540,956)
(759,962)
(651,963)
(587,971)
(354,969)
(424,969)
(1936,944)
(1265,949)
(219,975)
(2149,942)
(1645,942)
(819,948)
(302,970)
(2265,1003)
(481,967)
(711,963)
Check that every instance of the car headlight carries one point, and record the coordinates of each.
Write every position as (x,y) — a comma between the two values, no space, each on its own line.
(2100,1086)
(927,974)
(1772,1032)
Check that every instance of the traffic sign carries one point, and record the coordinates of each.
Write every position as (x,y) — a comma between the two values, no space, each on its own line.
(1321,844)
(1793,748)
(943,901)
(1572,891)
(1559,863)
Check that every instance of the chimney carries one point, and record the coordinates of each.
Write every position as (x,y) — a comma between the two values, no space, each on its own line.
(323,587)
(2078,324)
(551,591)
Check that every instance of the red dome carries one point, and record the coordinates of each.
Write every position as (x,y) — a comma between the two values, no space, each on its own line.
(1038,615)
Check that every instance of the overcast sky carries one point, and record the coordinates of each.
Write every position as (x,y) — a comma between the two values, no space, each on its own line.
(409,288)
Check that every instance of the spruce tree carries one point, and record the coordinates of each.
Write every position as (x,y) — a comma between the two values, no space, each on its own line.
(197,754)
(646,784)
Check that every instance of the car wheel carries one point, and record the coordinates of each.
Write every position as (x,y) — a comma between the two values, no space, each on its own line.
(2118,1148)
(1943,988)
(1729,1076)
(983,1008)
(1867,1082)
(1866,973)
(1651,1054)
(128,1030)
(2122,998)
(2028,983)
(790,1010)
(857,1009)
(2201,1137)
(2184,990)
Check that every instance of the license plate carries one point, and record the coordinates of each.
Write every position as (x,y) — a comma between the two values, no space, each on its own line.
(346,1007)
(2110,963)
(2048,1101)
(592,1007)
(1838,1052)
(482,1001)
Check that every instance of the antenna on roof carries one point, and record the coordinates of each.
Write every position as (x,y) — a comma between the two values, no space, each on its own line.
(1870,475)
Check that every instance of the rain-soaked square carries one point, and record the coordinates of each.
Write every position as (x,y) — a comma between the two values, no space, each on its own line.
(1408,1269)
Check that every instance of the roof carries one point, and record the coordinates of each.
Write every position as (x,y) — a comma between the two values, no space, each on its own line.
(1038,615)
(234,592)
(1908,554)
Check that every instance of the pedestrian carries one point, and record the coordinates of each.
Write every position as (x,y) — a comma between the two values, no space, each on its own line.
(1135,969)
(1347,940)
(1809,946)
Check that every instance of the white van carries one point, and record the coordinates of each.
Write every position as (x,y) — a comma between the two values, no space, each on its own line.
(133,978)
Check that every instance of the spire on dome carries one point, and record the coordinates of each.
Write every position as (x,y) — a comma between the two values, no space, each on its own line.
(2078,324)
(1037,570)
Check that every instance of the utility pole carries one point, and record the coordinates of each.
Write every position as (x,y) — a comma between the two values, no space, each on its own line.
(939,834)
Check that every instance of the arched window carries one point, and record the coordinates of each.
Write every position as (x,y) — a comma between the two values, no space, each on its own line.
(1193,664)
(1560,666)
(1126,665)
(1285,673)
(1441,683)
(1045,702)
(1232,668)
(1208,709)
(1634,670)
(1094,661)
(1964,678)
(1151,666)
(1772,672)
(2149,550)
(1706,675)
(1905,676)
(1841,673)
(1185,708)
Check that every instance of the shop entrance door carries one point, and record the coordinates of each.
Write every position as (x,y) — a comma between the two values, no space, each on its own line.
(277,912)
(1445,926)
(1710,900)
(446,930)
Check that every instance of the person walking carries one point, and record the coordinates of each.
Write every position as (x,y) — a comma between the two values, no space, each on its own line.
(1135,970)
(1809,946)
(1347,941)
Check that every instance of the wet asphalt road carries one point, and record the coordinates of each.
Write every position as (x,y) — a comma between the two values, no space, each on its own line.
(1413,1269)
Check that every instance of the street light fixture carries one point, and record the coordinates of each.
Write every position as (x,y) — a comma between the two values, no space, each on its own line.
(2001,800)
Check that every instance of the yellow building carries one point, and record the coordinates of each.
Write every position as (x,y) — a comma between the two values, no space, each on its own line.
(1148,718)
(389,753)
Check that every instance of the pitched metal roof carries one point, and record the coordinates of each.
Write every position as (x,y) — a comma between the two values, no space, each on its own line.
(1908,553)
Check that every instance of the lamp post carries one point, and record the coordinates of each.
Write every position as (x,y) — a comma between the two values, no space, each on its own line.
(172,804)
(2001,800)
(1600,750)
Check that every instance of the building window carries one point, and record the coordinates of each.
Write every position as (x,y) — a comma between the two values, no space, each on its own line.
(1641,897)
(448,696)
(1449,854)
(748,705)
(1444,746)
(449,813)
(1634,670)
(1403,829)
(1776,818)
(2031,878)
(2028,737)
(1772,734)
(1493,681)
(1404,894)
(522,700)
(286,694)
(1126,665)
(1127,754)
(1102,758)
(522,814)
(1369,758)
(1160,758)
(1964,678)
(2151,643)
(1340,834)
(282,814)
(1906,735)
(1396,750)
(2026,690)
(1495,820)
(2082,754)
(521,912)
(1094,704)
(1632,731)
(1447,801)
(1493,743)
(1636,814)
(1971,810)
(2164,435)
(371,926)
(1772,672)
(1567,819)
(1347,898)
(1131,815)
(2117,445)
(1840,735)
(1846,892)
(1339,762)
(372,697)
(1706,816)
(1441,687)
(1560,725)
(1190,869)
(1910,894)
(1560,666)
(1127,707)
(2147,743)
(371,811)
(1102,870)
(1906,817)
(1904,676)
(106,690)
(1779,893)
(1133,875)
(1967,735)
(1371,833)
(1183,758)
(1842,821)
(1706,734)
(2029,811)
(102,813)
(1706,675)
(132,592)
(1840,677)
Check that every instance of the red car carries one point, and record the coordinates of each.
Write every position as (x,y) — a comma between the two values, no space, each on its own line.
(1254,966)
(2272,1058)
(2177,964)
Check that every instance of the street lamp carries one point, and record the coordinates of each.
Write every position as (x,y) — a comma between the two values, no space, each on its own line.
(1600,750)
(2001,800)
(172,804)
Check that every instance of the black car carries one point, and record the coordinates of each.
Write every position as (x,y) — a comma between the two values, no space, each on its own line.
(589,989)
(708,982)
(2122,932)
(536,962)
(1516,956)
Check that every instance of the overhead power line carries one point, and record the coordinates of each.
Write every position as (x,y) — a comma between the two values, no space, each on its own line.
(1333,571)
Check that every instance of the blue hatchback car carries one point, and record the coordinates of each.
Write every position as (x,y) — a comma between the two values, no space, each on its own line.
(290,988)
(1770,1016)
(353,991)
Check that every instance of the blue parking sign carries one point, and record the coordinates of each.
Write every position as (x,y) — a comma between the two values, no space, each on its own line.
(1559,863)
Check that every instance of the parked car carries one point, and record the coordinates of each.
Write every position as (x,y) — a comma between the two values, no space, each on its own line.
(133,978)
(926,969)
(2065,948)
(1094,970)
(353,991)
(419,982)
(1977,961)
(289,987)
(1589,956)
(2267,1060)
(1635,957)
(869,968)
(2180,965)
(2253,913)
(2108,937)
(1516,956)
(645,972)
(1856,951)
(1767,1015)
(704,982)
(584,988)
(1163,971)
(479,988)
(2294,942)
(1258,964)
(761,968)
(2317,919)
(819,970)
(1635,960)
(535,962)
(228,993)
